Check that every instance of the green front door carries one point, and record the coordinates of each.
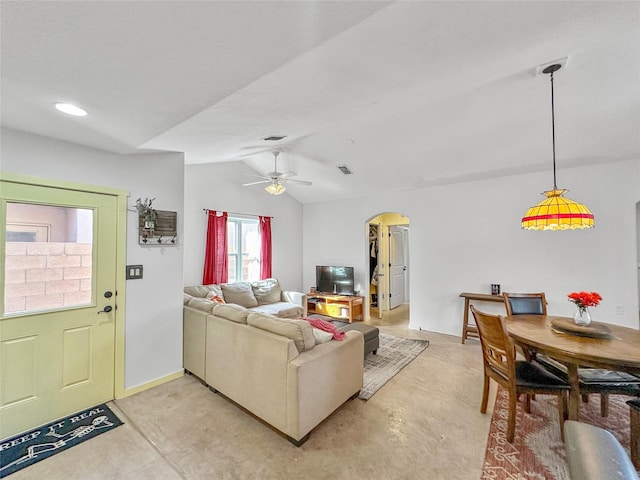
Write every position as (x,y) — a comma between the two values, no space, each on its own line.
(57,323)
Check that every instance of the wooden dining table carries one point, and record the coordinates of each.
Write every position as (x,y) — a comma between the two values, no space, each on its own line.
(620,350)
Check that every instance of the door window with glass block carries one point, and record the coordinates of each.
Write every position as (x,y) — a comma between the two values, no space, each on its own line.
(48,257)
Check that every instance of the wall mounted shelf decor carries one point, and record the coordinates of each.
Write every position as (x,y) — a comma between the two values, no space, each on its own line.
(162,231)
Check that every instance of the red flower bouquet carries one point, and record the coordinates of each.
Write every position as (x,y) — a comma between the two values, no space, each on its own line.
(585,299)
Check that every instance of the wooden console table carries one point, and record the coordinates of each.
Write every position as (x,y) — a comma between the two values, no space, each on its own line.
(472,330)
(346,307)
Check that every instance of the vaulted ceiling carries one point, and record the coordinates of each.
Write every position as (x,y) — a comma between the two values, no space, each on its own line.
(406,94)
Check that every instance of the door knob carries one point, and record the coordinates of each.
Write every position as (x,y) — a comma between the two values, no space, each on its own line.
(108,294)
(106,309)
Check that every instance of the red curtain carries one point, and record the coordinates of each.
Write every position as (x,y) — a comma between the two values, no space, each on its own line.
(265,247)
(215,256)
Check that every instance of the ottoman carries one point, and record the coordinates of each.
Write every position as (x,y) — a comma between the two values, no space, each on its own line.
(371,335)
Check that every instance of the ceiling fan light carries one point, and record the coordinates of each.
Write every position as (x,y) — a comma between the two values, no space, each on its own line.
(557,213)
(275,189)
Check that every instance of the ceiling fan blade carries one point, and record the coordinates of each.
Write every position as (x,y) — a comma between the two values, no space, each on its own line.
(298,182)
(259,176)
(256,151)
(288,174)
(255,183)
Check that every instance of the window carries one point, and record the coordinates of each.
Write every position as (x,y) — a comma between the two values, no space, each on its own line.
(243,250)
(48,257)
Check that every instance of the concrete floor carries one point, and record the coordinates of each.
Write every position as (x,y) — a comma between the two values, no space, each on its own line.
(424,424)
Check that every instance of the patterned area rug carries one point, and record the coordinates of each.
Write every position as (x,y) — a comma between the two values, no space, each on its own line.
(537,453)
(394,354)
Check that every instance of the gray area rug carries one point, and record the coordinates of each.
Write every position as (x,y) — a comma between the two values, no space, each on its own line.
(394,354)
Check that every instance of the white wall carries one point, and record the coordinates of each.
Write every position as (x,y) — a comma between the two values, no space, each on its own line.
(218,187)
(464,237)
(153,326)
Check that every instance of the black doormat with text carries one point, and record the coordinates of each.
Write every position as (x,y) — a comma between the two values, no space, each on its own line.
(31,447)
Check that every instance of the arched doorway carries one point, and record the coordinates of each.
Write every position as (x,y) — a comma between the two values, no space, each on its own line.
(388,256)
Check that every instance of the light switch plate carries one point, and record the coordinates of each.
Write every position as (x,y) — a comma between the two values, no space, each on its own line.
(134,272)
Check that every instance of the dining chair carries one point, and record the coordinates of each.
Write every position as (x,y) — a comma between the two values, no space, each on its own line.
(525,303)
(592,380)
(599,381)
(517,376)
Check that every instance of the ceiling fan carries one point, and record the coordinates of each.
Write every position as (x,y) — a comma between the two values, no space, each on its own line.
(276,179)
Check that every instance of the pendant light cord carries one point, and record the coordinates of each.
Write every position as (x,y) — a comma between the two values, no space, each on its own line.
(553,135)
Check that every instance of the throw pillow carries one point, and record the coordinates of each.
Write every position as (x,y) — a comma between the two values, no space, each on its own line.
(325,326)
(321,336)
(215,298)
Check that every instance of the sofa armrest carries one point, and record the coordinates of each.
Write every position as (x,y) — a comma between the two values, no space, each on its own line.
(296,298)
(193,341)
(322,379)
(594,453)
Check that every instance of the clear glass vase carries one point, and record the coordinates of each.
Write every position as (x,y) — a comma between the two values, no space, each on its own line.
(582,316)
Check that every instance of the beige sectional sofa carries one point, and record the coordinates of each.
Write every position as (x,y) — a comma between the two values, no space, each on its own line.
(277,368)
(264,296)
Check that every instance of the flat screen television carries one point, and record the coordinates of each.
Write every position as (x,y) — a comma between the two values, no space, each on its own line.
(332,279)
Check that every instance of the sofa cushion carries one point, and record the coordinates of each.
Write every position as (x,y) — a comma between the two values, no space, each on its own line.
(203,290)
(297,330)
(239,293)
(202,304)
(235,313)
(185,298)
(267,291)
(280,309)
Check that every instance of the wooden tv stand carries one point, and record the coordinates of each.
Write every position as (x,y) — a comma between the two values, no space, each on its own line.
(344,307)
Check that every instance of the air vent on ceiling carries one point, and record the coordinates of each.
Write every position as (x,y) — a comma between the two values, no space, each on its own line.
(274,138)
(344,169)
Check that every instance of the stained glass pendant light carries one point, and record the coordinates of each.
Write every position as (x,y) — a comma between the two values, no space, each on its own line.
(556,212)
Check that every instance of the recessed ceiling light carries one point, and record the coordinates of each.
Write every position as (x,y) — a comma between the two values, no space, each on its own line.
(71,109)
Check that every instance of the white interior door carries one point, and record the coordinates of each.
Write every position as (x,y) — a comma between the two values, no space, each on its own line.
(397,266)
(57,323)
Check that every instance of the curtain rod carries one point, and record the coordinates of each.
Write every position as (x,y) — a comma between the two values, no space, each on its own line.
(206,210)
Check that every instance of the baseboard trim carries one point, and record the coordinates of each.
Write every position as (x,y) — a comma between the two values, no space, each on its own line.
(154,383)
